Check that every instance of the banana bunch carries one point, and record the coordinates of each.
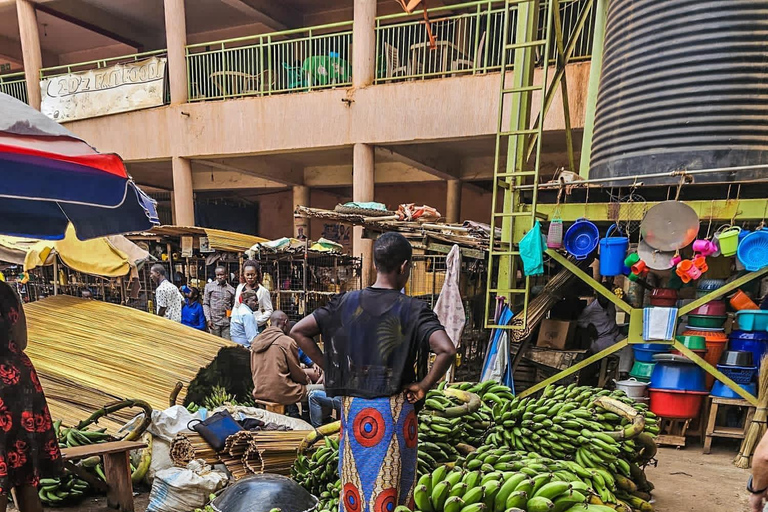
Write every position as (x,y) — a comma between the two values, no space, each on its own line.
(319,474)
(69,437)
(602,485)
(193,407)
(460,490)
(56,492)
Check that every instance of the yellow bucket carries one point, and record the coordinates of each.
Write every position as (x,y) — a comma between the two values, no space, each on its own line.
(729,241)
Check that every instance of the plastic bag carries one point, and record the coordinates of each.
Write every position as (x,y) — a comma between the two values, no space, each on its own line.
(532,251)
(184,489)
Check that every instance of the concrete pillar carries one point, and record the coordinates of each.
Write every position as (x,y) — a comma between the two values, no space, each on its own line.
(300,224)
(176,41)
(30,48)
(362,190)
(183,196)
(364,43)
(453,202)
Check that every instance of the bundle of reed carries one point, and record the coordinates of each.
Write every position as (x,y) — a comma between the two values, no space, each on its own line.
(188,446)
(757,428)
(233,455)
(540,305)
(111,350)
(273,451)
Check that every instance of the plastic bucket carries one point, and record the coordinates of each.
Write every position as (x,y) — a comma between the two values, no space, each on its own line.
(729,241)
(670,403)
(613,251)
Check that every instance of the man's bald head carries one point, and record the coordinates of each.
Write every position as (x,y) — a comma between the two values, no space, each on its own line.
(280,320)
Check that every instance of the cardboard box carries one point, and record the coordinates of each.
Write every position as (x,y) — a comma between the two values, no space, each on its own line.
(556,334)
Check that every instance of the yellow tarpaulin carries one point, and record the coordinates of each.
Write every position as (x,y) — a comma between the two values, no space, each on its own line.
(98,256)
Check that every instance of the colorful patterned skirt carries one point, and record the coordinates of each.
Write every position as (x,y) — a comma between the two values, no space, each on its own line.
(377,457)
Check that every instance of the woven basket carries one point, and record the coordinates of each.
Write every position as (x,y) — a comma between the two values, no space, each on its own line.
(365,212)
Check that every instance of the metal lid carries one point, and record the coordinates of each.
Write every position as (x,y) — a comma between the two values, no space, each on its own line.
(669,226)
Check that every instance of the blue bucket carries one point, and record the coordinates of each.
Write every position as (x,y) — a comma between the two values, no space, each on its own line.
(613,251)
(581,238)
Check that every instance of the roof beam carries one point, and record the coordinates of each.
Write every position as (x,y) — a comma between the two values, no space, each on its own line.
(439,167)
(270,13)
(100,22)
(229,180)
(267,169)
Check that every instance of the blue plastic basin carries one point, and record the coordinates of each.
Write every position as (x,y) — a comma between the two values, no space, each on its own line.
(644,352)
(723,391)
(678,376)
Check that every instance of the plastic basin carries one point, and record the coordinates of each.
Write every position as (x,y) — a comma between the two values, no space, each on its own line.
(741,301)
(642,371)
(675,404)
(706,321)
(755,342)
(693,342)
(723,391)
(752,320)
(581,239)
(678,376)
(712,308)
(644,352)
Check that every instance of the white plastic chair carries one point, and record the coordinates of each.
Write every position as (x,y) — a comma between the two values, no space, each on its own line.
(466,64)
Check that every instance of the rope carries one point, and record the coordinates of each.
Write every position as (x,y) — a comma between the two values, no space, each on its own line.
(736,210)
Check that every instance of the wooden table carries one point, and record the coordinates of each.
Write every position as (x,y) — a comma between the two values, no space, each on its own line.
(447,50)
(117,468)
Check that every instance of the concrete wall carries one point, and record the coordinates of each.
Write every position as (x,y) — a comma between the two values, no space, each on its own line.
(403,112)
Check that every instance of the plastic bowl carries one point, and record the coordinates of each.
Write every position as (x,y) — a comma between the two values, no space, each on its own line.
(706,321)
(680,376)
(581,238)
(642,371)
(712,308)
(670,403)
(710,285)
(753,320)
(736,358)
(664,297)
(741,301)
(701,353)
(693,342)
(753,250)
(723,391)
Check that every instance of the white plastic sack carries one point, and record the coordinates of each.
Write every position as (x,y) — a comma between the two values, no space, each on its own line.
(166,424)
(161,458)
(184,489)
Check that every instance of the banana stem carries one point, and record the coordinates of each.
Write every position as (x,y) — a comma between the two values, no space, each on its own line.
(472,403)
(632,430)
(116,406)
(648,447)
(175,393)
(317,434)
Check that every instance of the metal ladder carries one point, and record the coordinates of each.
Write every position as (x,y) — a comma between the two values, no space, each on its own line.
(512,137)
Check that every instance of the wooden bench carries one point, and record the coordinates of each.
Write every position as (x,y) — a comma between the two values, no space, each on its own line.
(746,411)
(271,406)
(117,468)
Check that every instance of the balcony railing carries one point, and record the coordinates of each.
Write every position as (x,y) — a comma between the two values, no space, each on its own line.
(14,85)
(288,61)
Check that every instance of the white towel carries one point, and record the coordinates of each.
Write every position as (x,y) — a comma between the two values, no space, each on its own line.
(659,323)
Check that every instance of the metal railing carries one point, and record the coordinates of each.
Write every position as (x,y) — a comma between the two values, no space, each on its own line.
(15,85)
(467,39)
(287,61)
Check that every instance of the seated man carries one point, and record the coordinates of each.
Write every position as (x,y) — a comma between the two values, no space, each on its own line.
(320,406)
(277,374)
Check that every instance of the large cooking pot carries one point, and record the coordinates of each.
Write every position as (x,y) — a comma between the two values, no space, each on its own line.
(262,493)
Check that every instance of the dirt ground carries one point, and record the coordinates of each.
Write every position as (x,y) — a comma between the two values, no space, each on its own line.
(686,481)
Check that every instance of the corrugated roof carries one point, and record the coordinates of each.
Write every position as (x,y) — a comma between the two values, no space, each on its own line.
(219,239)
(89,353)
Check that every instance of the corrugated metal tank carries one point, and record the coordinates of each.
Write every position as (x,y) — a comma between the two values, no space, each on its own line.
(684,86)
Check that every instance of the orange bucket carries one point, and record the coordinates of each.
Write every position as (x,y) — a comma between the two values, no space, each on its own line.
(741,301)
(716,343)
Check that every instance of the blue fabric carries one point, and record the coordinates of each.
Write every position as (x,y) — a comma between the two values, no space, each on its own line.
(505,317)
(243,327)
(192,315)
(318,403)
(304,359)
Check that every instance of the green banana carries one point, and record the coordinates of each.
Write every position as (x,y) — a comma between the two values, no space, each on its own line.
(539,504)
(518,499)
(422,499)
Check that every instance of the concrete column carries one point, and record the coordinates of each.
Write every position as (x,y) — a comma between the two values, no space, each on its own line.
(176,41)
(300,224)
(30,48)
(453,202)
(183,196)
(364,43)
(362,190)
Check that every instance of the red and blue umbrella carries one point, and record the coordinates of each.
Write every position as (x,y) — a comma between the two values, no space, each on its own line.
(49,178)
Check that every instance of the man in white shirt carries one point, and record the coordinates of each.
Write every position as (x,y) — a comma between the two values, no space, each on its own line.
(167,297)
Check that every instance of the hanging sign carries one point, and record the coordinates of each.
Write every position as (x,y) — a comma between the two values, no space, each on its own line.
(99,92)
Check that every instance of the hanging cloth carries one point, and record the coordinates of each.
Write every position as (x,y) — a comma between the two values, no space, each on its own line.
(449,307)
(496,365)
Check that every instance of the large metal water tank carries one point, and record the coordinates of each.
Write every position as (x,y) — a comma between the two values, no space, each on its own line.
(684,86)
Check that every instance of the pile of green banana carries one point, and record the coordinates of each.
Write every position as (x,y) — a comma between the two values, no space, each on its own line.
(603,486)
(55,492)
(460,490)
(318,473)
(193,407)
(69,437)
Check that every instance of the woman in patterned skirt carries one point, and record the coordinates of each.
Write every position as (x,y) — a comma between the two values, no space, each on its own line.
(377,344)
(29,450)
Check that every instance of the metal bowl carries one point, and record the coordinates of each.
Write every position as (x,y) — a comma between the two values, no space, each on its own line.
(736,358)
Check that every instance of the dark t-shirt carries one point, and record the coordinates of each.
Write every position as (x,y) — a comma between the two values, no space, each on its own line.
(376,342)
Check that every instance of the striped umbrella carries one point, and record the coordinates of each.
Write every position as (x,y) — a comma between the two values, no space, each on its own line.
(49,178)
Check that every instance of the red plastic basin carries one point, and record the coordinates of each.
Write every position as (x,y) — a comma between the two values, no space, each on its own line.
(671,403)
